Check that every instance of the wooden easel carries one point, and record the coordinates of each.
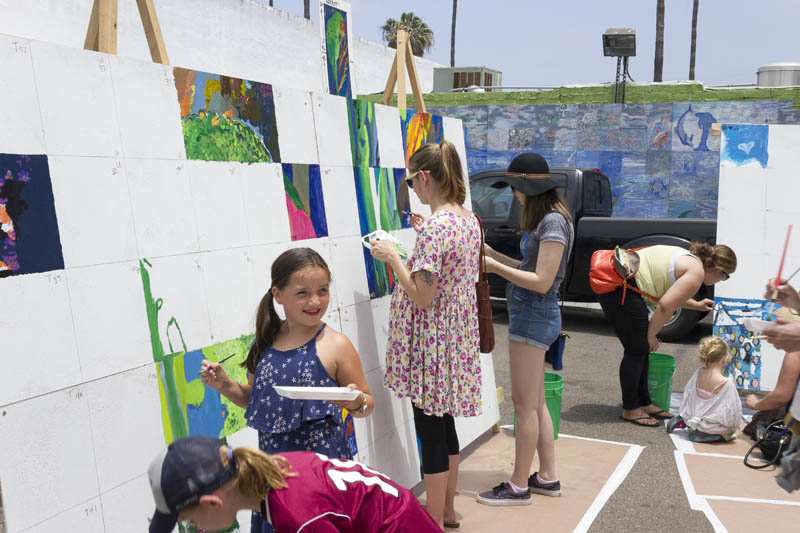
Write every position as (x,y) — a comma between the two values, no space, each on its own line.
(101,35)
(403,59)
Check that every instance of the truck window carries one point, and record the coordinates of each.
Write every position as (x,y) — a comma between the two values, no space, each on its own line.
(489,202)
(596,194)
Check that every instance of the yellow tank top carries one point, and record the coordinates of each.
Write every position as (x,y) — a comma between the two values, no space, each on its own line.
(656,272)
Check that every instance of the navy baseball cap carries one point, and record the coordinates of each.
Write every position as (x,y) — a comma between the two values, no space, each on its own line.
(187,469)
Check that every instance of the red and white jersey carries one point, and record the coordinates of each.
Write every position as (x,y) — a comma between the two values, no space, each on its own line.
(330,495)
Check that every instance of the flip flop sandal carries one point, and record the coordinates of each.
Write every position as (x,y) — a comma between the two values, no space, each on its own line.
(452,525)
(660,415)
(636,421)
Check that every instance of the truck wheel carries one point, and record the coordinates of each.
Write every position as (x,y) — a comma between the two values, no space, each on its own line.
(680,325)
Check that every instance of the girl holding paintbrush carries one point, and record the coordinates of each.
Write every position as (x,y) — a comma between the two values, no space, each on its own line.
(301,351)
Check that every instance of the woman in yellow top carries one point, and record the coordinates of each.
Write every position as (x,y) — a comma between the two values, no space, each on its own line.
(672,276)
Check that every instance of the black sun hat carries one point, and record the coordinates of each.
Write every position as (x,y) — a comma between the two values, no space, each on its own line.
(529,174)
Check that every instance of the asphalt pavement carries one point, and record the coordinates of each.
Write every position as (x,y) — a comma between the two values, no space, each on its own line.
(651,498)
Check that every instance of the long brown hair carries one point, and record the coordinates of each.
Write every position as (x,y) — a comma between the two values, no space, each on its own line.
(442,161)
(534,209)
(715,256)
(268,323)
(257,472)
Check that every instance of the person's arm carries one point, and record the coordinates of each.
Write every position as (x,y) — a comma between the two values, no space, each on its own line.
(784,335)
(677,295)
(213,375)
(781,395)
(784,294)
(704,305)
(547,263)
(350,373)
(501,258)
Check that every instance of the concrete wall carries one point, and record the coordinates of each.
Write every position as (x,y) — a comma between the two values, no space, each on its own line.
(239,38)
(662,159)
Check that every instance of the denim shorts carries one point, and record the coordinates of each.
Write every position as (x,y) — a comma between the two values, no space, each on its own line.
(533,318)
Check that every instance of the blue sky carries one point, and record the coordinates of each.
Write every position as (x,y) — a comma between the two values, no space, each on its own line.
(558,42)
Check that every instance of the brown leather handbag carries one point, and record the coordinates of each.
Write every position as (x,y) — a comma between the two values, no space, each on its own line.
(485,325)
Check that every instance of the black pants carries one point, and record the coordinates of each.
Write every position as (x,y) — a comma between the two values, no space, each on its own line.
(630,321)
(438,441)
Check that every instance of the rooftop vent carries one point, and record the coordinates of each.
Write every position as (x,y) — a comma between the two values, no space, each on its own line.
(779,75)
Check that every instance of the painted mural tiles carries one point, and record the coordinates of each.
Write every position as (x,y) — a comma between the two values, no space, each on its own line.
(337,51)
(225,118)
(363,133)
(29,238)
(304,200)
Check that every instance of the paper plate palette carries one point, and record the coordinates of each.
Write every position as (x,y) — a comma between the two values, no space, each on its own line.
(317,393)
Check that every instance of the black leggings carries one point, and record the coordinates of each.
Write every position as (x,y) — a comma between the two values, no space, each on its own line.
(630,321)
(438,439)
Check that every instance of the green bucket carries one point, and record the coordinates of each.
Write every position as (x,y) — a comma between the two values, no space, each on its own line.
(553,387)
(659,379)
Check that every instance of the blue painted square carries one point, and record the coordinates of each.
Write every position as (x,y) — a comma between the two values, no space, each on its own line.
(611,163)
(745,143)
(587,159)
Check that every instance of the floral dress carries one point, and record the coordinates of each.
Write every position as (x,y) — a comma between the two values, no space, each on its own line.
(432,354)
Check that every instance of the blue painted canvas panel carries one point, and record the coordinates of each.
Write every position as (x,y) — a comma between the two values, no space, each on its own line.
(746,143)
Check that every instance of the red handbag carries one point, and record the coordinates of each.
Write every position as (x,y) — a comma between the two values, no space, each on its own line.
(611,269)
(485,324)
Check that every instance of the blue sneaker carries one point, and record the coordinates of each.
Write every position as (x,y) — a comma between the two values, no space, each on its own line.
(504,495)
(547,489)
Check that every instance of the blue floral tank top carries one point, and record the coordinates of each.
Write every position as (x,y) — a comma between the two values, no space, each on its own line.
(300,367)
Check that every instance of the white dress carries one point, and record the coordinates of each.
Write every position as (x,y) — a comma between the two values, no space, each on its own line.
(716,414)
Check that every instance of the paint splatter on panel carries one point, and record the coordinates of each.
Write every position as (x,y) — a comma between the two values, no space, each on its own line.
(744,345)
(303,187)
(29,238)
(226,119)
(746,143)
(337,53)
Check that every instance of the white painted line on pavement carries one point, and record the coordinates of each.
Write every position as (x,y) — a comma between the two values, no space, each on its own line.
(681,444)
(750,500)
(612,483)
(599,440)
(720,455)
(696,502)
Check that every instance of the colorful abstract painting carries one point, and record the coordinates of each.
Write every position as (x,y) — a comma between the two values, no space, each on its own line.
(380,278)
(419,129)
(226,119)
(744,345)
(746,143)
(337,53)
(303,186)
(29,238)
(188,406)
(394,205)
(363,133)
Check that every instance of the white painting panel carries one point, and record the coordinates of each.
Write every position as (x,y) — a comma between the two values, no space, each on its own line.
(390,136)
(39,350)
(262,258)
(782,190)
(162,207)
(47,445)
(339,194)
(128,508)
(742,190)
(19,107)
(93,206)
(265,203)
(380,314)
(110,318)
(351,283)
(229,283)
(295,120)
(332,127)
(454,132)
(86,518)
(218,204)
(178,282)
(776,226)
(359,326)
(125,409)
(77,101)
(148,110)
(782,148)
(396,455)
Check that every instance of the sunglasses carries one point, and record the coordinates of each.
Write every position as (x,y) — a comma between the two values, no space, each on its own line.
(410,178)
(725,275)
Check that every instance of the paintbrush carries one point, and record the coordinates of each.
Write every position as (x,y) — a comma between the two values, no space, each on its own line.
(226,358)
(774,294)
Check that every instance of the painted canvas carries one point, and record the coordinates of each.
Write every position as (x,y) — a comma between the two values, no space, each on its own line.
(337,50)
(363,133)
(394,206)
(303,187)
(419,129)
(380,278)
(226,119)
(746,143)
(746,349)
(29,239)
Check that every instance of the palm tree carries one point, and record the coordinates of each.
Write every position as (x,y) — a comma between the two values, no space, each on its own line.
(420,35)
(658,64)
(453,35)
(693,50)
(307,9)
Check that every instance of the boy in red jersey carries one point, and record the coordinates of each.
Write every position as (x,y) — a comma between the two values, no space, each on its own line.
(199,481)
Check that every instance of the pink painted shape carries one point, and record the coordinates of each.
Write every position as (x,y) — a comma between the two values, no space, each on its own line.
(299,222)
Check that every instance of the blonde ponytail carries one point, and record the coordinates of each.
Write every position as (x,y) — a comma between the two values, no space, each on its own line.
(712,350)
(257,472)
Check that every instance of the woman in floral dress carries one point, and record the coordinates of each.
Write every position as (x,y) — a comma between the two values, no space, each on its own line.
(432,354)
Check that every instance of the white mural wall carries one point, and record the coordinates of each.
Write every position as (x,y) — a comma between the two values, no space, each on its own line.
(131,248)
(758,191)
